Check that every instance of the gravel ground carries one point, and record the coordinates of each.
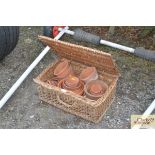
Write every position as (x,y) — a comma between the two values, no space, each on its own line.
(135,91)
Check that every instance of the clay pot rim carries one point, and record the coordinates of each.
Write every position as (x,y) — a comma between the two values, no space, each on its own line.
(76,91)
(79,92)
(67,73)
(49,82)
(95,89)
(75,88)
(93,74)
(72,84)
(95,96)
(65,68)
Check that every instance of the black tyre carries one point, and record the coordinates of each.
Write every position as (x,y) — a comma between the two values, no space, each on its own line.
(47,31)
(9,36)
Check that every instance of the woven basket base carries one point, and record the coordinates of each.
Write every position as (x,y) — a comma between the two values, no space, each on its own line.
(94,117)
(97,120)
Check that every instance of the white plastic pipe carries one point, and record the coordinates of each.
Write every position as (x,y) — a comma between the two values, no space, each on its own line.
(108,43)
(114,45)
(28,71)
(148,111)
(68,31)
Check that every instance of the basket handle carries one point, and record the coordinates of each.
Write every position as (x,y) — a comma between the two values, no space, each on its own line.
(62,102)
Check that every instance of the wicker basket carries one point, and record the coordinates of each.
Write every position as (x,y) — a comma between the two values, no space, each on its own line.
(80,57)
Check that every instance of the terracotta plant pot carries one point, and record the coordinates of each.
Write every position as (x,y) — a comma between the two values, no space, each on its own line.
(63,69)
(95,89)
(72,81)
(54,81)
(73,84)
(79,91)
(89,74)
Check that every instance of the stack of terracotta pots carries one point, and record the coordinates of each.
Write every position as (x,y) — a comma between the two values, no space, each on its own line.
(73,84)
(87,84)
(89,74)
(95,89)
(63,69)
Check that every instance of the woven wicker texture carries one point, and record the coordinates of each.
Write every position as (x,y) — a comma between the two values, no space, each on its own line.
(102,61)
(81,58)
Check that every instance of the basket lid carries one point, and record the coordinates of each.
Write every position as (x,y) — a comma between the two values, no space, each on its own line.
(101,60)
